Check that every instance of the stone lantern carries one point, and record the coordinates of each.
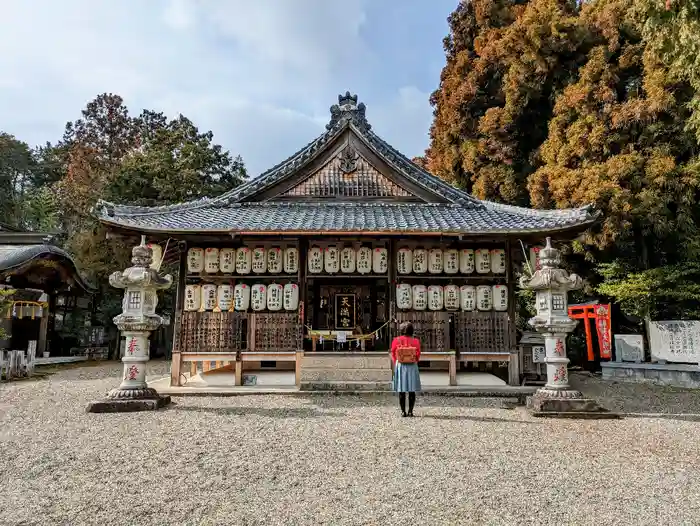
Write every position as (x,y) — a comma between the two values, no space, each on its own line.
(552,285)
(137,320)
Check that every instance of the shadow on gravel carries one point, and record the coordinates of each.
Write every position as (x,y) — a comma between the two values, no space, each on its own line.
(258,411)
(391,400)
(667,416)
(487,419)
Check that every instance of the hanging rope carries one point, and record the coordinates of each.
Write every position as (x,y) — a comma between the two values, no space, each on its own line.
(328,335)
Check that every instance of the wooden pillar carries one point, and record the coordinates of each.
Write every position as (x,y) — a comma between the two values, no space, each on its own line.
(453,368)
(391,276)
(297,368)
(239,371)
(514,361)
(176,358)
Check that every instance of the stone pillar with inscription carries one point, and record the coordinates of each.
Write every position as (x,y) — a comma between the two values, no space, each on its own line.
(137,320)
(552,285)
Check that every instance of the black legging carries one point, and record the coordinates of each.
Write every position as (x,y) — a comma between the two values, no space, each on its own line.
(411,402)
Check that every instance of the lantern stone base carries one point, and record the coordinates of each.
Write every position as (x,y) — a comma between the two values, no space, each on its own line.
(129,400)
(566,404)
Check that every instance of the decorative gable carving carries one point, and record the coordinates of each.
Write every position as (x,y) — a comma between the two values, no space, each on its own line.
(350,175)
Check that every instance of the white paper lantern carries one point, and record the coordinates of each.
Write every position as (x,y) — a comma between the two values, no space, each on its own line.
(241,297)
(208,297)
(482,257)
(331,260)
(347,260)
(193,297)
(404,295)
(224,297)
(420,261)
(451,259)
(156,254)
(291,296)
(466,261)
(420,297)
(451,297)
(435,261)
(243,260)
(436,299)
(259,263)
(498,261)
(258,297)
(315,260)
(380,261)
(211,260)
(274,260)
(404,261)
(364,260)
(227,260)
(195,260)
(500,298)
(484,297)
(467,297)
(274,297)
(291,260)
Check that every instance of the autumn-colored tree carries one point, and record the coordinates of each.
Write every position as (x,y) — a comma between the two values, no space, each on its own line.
(569,106)
(506,61)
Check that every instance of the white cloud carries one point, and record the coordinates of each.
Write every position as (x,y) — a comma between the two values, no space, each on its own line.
(261,74)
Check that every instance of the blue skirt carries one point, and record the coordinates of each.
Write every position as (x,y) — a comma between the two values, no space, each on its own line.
(406,378)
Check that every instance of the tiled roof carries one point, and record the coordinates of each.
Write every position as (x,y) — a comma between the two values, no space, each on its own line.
(352,217)
(461,212)
(13,256)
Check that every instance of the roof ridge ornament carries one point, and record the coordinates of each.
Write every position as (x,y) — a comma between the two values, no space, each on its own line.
(348,110)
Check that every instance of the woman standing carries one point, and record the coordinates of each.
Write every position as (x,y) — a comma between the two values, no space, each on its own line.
(405,353)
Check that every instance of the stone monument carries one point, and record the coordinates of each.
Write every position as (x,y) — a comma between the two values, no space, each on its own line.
(552,285)
(137,320)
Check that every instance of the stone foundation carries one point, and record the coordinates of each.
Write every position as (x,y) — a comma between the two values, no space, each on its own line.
(128,405)
(671,374)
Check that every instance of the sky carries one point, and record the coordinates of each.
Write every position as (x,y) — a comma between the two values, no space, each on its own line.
(260,74)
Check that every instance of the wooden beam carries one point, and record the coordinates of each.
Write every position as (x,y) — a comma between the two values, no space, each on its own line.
(176,357)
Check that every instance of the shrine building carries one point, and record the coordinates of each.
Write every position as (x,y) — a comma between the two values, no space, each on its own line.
(311,266)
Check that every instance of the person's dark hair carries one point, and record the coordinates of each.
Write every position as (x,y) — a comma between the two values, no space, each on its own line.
(406,329)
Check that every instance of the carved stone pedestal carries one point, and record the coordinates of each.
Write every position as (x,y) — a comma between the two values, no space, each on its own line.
(149,400)
(565,404)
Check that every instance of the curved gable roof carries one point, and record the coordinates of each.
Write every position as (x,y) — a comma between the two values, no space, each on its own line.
(233,211)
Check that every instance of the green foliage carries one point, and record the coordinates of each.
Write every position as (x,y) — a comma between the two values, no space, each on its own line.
(668,292)
(17,164)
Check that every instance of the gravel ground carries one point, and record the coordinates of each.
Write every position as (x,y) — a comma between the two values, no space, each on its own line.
(341,460)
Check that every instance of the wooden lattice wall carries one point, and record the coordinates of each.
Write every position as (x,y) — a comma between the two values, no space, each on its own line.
(213,331)
(431,328)
(280,331)
(482,332)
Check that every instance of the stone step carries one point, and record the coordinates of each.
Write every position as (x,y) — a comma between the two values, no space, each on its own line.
(345,386)
(346,362)
(342,375)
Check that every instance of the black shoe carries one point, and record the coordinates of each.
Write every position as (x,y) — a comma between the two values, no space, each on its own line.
(410,414)
(404,414)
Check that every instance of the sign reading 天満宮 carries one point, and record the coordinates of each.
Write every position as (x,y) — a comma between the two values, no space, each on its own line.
(344,311)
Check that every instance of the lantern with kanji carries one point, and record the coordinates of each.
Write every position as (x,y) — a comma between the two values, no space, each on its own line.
(404,301)
(259,260)
(315,260)
(291,260)
(195,260)
(243,260)
(211,260)
(404,261)
(331,261)
(380,261)
(227,260)
(291,297)
(347,260)
(274,260)
(420,261)
(364,260)
(420,297)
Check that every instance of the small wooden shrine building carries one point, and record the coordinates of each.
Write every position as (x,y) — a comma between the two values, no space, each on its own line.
(48,290)
(318,259)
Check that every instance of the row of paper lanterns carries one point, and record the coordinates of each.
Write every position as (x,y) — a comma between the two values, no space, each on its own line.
(452,297)
(273,297)
(243,260)
(333,260)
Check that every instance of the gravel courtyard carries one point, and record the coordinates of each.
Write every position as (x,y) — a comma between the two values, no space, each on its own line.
(321,460)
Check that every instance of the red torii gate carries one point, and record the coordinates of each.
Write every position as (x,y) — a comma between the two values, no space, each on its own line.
(600,314)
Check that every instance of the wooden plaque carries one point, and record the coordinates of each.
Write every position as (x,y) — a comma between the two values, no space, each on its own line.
(345,312)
